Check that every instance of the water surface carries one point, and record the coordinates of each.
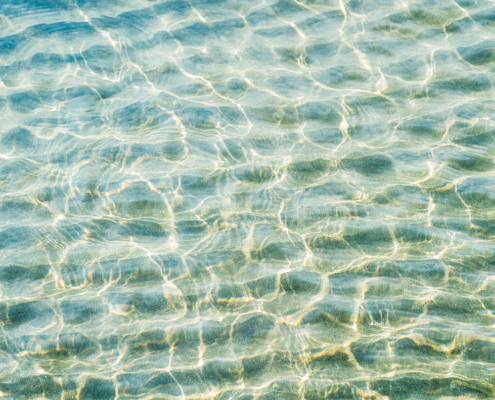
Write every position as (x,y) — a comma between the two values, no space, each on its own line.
(247,199)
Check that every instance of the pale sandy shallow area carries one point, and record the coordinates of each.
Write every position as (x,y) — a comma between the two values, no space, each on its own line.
(247,199)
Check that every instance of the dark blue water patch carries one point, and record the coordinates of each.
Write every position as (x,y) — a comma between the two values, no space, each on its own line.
(191,227)
(278,251)
(478,192)
(424,385)
(15,274)
(202,146)
(168,75)
(169,150)
(338,190)
(29,312)
(389,312)
(67,30)
(169,7)
(24,102)
(309,170)
(255,174)
(191,89)
(343,76)
(425,271)
(371,237)
(102,59)
(325,137)
(463,84)
(69,94)
(372,165)
(14,171)
(431,15)
(150,303)
(231,149)
(154,340)
(160,38)
(223,28)
(360,103)
(199,33)
(233,115)
(133,116)
(139,198)
(454,307)
(335,361)
(98,389)
(426,128)
(385,48)
(10,9)
(470,3)
(19,237)
(256,327)
(19,138)
(471,109)
(463,25)
(224,293)
(277,32)
(413,233)
(286,115)
(207,4)
(33,386)
(261,55)
(453,224)
(409,69)
(222,372)
(448,200)
(478,54)
(288,7)
(317,391)
(288,84)
(281,390)
(300,282)
(475,140)
(232,87)
(198,184)
(214,332)
(263,286)
(486,226)
(206,118)
(165,383)
(128,24)
(215,57)
(262,17)
(468,161)
(133,384)
(331,309)
(414,197)
(78,311)
(359,129)
(479,350)
(484,18)
(41,62)
(144,228)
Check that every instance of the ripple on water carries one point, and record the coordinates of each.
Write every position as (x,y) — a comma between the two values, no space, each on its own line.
(237,200)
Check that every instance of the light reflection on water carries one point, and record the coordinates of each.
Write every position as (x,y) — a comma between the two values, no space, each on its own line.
(241,199)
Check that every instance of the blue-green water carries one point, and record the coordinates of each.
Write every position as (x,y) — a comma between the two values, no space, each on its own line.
(245,199)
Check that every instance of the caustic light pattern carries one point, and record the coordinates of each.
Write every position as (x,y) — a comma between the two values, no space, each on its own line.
(247,199)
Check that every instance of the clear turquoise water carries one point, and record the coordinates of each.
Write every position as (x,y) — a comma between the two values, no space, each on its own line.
(247,199)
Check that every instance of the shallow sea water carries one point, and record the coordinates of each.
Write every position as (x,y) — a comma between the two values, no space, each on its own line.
(245,199)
